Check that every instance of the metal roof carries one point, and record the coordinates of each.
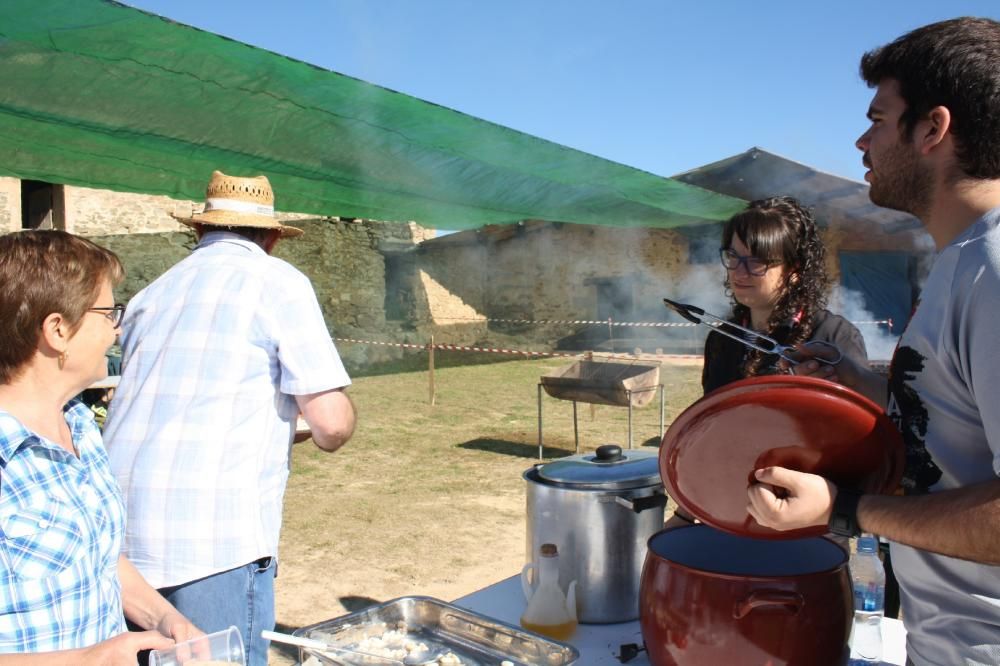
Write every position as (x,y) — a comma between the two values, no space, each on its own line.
(757,173)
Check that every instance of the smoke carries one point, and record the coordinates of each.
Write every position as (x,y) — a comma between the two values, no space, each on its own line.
(701,285)
(879,340)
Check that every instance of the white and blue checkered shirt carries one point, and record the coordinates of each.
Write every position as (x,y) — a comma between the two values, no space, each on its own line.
(213,354)
(62,521)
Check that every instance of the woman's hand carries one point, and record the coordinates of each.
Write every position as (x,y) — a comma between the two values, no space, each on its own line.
(784,499)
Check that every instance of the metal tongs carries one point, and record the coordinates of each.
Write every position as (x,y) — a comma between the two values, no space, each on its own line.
(750,337)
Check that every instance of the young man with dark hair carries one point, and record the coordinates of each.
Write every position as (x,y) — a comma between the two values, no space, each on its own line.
(933,149)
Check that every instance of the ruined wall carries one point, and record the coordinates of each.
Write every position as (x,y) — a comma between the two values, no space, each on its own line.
(91,212)
(341,258)
(854,236)
(10,204)
(541,271)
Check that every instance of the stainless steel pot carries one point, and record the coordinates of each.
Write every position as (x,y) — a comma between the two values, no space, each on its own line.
(599,509)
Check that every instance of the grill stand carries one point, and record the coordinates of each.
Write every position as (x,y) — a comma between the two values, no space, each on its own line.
(576,428)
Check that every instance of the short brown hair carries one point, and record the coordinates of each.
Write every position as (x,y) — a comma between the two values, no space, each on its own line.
(42,272)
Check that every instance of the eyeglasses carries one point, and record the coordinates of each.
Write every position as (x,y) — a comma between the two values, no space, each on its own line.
(756,267)
(115,313)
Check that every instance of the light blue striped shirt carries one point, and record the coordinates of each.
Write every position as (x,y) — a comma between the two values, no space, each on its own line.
(213,354)
(62,520)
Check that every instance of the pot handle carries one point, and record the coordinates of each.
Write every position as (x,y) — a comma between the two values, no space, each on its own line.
(790,601)
(640,504)
(525,583)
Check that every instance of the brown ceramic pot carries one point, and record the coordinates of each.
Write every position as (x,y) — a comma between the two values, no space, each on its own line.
(708,597)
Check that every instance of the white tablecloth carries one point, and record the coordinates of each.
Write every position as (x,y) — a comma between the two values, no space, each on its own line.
(599,643)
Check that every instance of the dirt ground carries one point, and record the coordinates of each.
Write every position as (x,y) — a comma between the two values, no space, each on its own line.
(302,599)
(431,502)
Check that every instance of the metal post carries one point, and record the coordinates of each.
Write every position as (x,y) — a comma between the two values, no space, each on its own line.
(430,369)
(539,421)
(611,336)
(662,431)
(628,394)
(576,431)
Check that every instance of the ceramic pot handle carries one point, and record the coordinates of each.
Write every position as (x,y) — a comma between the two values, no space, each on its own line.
(790,601)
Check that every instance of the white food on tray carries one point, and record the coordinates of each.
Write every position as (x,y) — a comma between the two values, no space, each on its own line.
(397,644)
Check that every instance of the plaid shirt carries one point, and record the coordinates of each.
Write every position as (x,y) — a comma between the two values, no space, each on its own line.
(62,521)
(213,354)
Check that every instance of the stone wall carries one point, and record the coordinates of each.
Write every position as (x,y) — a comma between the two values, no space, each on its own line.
(447,287)
(10,204)
(91,212)
(543,271)
(341,258)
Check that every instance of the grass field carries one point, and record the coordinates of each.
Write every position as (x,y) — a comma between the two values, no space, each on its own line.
(429,499)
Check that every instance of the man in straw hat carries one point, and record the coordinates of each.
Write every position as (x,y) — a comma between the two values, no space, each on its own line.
(219,356)
(933,150)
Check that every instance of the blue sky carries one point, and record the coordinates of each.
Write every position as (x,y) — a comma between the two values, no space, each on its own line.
(659,85)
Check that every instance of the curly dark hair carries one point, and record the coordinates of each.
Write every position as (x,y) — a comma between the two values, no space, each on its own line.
(781,230)
(956,64)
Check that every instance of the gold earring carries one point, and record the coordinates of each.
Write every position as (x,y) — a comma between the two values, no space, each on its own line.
(62,359)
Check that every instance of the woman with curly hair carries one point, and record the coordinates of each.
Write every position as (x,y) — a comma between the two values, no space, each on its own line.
(776,276)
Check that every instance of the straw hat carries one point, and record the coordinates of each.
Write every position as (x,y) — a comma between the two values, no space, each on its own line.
(231,201)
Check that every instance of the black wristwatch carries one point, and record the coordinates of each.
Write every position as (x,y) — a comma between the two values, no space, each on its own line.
(844,516)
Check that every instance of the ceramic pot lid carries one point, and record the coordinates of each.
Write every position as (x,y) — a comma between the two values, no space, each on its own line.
(709,454)
(608,468)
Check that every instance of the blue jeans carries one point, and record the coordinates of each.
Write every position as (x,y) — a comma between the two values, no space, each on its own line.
(242,597)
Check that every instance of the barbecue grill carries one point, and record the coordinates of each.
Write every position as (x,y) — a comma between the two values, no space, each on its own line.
(610,383)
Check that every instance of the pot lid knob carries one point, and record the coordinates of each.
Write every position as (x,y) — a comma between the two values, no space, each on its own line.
(608,453)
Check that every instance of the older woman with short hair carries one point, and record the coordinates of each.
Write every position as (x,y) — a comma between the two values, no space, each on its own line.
(65,588)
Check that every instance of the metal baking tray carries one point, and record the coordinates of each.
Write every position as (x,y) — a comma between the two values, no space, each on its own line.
(475,639)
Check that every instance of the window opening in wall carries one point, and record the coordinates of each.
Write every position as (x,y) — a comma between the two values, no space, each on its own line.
(42,205)
(400,277)
(614,298)
(703,243)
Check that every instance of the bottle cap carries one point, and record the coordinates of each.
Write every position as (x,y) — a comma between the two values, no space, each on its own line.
(548,550)
(867,543)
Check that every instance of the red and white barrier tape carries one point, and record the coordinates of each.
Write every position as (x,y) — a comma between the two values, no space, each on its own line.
(495,350)
(602,322)
(606,322)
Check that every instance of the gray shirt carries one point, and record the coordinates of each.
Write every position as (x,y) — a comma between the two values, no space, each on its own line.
(944,393)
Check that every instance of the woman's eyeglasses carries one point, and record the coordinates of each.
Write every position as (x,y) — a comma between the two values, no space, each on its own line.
(115,313)
(756,267)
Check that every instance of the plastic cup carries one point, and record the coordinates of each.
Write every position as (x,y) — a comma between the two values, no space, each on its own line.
(218,649)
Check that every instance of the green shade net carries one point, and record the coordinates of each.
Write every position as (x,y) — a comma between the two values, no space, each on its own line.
(98,94)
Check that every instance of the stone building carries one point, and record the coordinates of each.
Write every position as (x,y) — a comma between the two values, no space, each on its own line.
(520,285)
(346,259)
(545,271)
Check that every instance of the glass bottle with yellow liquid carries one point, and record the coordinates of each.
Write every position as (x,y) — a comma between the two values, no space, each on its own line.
(549,612)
